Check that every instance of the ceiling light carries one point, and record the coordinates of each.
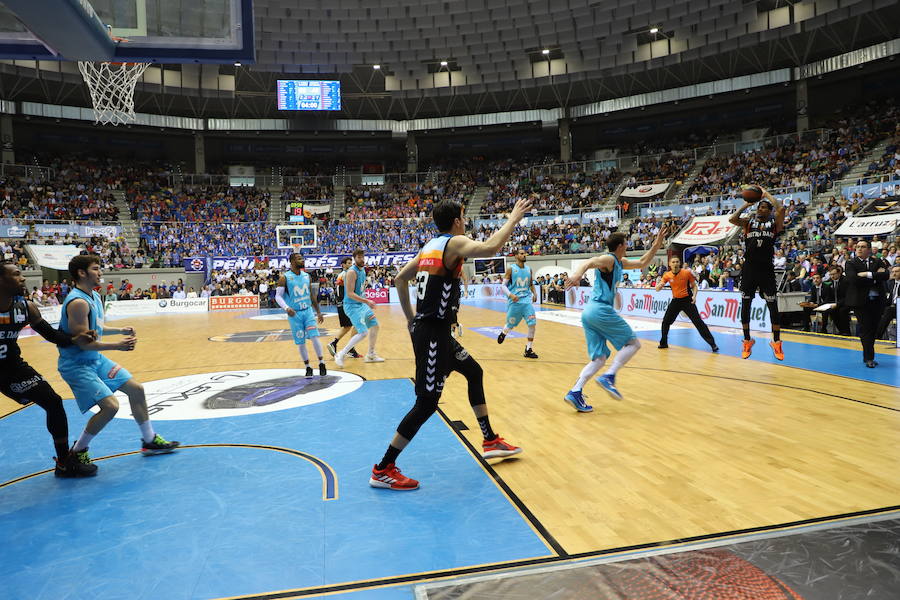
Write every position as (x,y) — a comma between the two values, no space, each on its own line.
(443,63)
(545,51)
(237,64)
(376,67)
(654,30)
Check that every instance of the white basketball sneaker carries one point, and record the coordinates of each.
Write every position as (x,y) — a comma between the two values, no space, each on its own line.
(372,357)
(339,358)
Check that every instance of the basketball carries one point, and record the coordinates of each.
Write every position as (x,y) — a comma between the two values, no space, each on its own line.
(752,193)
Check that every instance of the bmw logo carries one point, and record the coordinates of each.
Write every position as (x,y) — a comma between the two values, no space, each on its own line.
(162,303)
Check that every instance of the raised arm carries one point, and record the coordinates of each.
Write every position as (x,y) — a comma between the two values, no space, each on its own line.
(401,282)
(779,211)
(736,219)
(604,263)
(647,258)
(461,246)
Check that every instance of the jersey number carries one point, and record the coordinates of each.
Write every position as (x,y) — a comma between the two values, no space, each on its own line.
(421,284)
(2,351)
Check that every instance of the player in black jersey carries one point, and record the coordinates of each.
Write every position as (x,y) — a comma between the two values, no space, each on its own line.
(437,270)
(19,381)
(760,231)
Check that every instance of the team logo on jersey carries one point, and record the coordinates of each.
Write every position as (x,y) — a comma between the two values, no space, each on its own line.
(18,316)
(239,393)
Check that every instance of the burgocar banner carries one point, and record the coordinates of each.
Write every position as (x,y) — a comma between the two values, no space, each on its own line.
(313,261)
(722,309)
(122,308)
(705,230)
(869,225)
(645,191)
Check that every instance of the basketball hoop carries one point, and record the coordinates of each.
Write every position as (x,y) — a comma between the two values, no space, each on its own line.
(111,85)
(112,89)
(297,248)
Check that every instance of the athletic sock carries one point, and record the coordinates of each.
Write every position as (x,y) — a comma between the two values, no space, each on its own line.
(486,430)
(505,330)
(528,345)
(776,335)
(747,334)
(83,441)
(147,432)
(389,457)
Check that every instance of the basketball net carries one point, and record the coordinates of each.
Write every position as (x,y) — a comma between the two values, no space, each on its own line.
(111,85)
(112,89)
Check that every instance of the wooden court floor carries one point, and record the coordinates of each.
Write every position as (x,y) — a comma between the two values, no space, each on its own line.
(702,444)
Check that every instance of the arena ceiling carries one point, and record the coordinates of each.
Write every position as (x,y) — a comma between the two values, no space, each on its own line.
(452,57)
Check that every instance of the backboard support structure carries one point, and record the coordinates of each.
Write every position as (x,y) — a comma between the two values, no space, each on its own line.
(158,31)
(296,237)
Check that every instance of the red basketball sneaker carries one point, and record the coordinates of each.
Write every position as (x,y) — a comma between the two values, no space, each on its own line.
(498,448)
(391,478)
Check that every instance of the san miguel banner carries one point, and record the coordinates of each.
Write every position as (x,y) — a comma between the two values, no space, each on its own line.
(196,264)
(722,309)
(705,230)
(645,191)
(869,225)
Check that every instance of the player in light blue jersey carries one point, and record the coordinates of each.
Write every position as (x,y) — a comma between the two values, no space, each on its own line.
(359,310)
(518,283)
(94,379)
(301,302)
(600,320)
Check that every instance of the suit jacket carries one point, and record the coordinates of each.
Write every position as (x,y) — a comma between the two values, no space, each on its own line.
(889,291)
(824,296)
(859,287)
(839,289)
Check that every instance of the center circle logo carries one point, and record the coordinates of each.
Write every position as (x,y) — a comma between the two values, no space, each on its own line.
(238,393)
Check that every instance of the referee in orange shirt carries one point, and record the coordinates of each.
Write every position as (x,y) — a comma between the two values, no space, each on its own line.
(684,293)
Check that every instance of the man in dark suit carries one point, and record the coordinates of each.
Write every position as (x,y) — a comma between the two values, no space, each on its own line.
(866,276)
(841,315)
(892,291)
(819,294)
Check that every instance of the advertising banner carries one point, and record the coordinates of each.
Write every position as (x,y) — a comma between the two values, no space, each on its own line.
(869,225)
(233,302)
(717,308)
(645,191)
(20,229)
(53,257)
(705,230)
(184,305)
(313,261)
(601,215)
(378,295)
(872,190)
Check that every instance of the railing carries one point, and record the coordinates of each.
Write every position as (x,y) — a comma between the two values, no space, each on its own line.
(28,221)
(28,171)
(715,201)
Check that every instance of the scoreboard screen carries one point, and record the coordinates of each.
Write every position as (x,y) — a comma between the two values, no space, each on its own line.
(295,212)
(297,94)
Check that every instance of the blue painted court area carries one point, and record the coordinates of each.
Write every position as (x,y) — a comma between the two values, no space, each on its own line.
(822,359)
(812,357)
(211,522)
